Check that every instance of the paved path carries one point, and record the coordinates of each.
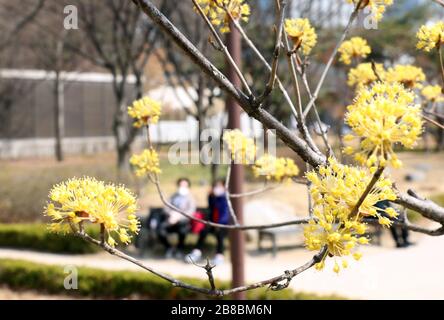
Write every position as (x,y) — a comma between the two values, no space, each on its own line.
(383,272)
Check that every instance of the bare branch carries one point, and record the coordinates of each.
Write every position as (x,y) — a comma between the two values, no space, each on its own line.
(224,226)
(277,46)
(367,190)
(22,23)
(254,192)
(332,58)
(293,142)
(224,48)
(227,196)
(426,208)
(250,43)
(272,282)
(440,2)
(439,125)
(301,119)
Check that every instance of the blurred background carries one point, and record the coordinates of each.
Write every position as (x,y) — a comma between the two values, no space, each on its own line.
(64,90)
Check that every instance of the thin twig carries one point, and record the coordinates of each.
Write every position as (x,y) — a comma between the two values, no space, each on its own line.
(330,152)
(276,52)
(251,44)
(441,62)
(254,192)
(440,2)
(224,226)
(288,275)
(332,58)
(223,48)
(426,208)
(375,71)
(300,118)
(227,195)
(367,190)
(439,125)
(412,227)
(310,199)
(440,116)
(154,178)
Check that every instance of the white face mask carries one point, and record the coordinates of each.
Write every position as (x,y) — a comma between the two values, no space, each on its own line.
(183,191)
(218,191)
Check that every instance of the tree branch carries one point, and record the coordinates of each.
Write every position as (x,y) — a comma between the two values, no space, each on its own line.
(332,58)
(426,208)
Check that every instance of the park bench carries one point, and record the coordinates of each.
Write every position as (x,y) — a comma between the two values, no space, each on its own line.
(148,234)
(261,212)
(274,234)
(147,237)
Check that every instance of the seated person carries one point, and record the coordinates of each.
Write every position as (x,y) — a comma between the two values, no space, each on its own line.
(218,213)
(176,222)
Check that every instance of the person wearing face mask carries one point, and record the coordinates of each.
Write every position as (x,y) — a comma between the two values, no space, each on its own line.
(218,213)
(176,222)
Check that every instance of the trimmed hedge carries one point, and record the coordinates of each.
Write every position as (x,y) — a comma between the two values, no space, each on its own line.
(36,237)
(20,274)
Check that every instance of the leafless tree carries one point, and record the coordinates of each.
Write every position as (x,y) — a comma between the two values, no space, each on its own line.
(15,17)
(180,74)
(119,39)
(47,39)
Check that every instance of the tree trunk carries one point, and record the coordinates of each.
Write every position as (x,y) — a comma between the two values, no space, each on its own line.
(122,139)
(59,118)
(237,237)
(200,108)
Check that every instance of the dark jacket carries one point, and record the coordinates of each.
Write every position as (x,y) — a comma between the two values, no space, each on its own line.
(219,212)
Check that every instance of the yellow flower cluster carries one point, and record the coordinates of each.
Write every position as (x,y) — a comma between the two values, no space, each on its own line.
(335,190)
(433,93)
(363,75)
(279,169)
(356,47)
(377,7)
(145,111)
(219,12)
(89,200)
(301,33)
(381,116)
(242,149)
(410,76)
(146,163)
(430,37)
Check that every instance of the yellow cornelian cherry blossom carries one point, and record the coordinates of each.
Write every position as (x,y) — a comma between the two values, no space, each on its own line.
(302,34)
(364,75)
(433,93)
(410,76)
(381,116)
(242,149)
(145,111)
(377,7)
(87,200)
(430,37)
(220,12)
(278,169)
(146,162)
(354,48)
(335,190)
